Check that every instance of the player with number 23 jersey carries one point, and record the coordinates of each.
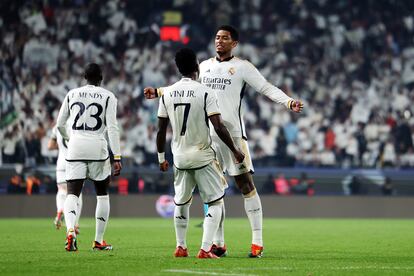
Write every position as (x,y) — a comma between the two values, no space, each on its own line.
(90,111)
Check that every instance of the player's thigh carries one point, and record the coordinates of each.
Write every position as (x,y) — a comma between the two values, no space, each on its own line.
(184,184)
(99,170)
(226,157)
(211,182)
(76,170)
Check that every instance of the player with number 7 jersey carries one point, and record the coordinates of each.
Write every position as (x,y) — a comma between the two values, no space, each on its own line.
(188,105)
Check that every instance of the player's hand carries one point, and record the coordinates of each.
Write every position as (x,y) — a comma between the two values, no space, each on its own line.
(117,168)
(150,93)
(239,156)
(164,166)
(297,106)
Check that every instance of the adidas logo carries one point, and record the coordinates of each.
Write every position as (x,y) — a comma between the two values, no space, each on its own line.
(242,166)
(180,217)
(101,218)
(73,212)
(254,210)
(209,216)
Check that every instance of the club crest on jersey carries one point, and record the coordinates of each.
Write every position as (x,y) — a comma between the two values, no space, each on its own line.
(232,71)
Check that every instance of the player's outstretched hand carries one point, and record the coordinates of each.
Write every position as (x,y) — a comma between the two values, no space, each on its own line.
(164,166)
(297,106)
(150,93)
(117,168)
(239,156)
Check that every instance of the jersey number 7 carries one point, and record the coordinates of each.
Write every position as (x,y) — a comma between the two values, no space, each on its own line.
(187,107)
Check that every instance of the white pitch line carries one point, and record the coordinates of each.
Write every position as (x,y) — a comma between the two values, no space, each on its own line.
(189,271)
(374,267)
(285,268)
(335,268)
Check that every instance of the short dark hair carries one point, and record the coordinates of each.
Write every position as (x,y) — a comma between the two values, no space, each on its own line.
(233,31)
(186,61)
(93,73)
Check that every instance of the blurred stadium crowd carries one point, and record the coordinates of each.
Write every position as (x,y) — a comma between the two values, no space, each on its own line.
(351,62)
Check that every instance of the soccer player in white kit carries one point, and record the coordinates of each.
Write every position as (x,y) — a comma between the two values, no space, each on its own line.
(56,142)
(91,113)
(188,105)
(228,76)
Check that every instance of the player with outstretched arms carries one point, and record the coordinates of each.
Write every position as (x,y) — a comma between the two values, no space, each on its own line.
(228,76)
(189,106)
(90,113)
(56,142)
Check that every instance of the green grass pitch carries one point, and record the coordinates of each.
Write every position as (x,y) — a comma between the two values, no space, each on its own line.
(145,247)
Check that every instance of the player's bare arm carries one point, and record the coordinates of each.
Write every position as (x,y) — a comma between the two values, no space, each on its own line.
(161,138)
(224,135)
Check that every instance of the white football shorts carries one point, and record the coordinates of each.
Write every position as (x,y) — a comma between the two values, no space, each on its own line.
(226,158)
(60,177)
(210,182)
(94,170)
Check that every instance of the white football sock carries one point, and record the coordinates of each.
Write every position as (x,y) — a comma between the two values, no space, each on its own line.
(210,225)
(80,203)
(101,216)
(60,199)
(219,236)
(70,211)
(181,218)
(253,207)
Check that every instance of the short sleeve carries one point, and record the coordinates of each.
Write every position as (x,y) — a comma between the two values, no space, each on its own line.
(212,107)
(162,111)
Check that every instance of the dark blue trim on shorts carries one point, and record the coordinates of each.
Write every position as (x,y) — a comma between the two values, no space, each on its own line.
(216,199)
(181,204)
(80,179)
(87,160)
(194,169)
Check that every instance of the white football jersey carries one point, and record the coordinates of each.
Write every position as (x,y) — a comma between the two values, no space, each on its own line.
(89,111)
(229,78)
(188,104)
(63,148)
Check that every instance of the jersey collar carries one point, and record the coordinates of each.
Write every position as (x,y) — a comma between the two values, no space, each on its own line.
(226,59)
